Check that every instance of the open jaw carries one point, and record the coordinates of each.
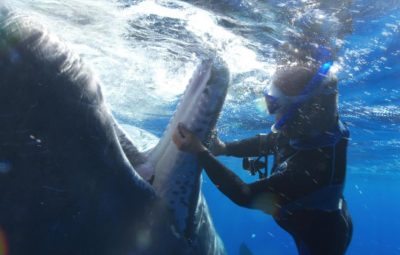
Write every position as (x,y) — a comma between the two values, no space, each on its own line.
(70,186)
(178,174)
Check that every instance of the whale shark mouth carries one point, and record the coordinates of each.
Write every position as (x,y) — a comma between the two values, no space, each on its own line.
(68,161)
(177,174)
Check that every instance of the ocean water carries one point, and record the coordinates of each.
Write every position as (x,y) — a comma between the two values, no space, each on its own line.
(145,51)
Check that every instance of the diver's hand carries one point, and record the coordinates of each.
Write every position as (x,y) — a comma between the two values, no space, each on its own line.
(217,147)
(186,140)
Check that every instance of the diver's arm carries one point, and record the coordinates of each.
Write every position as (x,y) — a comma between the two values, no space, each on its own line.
(258,195)
(250,147)
(255,195)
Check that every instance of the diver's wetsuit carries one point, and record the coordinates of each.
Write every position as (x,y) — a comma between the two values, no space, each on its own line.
(303,181)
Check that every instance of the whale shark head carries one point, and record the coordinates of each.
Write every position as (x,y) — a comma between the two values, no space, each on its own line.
(66,186)
(65,178)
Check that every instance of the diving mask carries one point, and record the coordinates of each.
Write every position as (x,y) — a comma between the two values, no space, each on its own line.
(278,102)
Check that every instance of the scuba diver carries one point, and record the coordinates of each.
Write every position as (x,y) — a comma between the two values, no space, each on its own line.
(304,192)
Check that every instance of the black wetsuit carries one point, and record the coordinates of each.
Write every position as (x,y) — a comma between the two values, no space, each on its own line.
(294,187)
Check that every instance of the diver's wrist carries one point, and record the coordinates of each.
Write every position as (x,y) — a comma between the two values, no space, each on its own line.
(219,148)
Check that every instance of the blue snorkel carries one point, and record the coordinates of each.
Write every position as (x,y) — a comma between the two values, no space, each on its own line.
(309,90)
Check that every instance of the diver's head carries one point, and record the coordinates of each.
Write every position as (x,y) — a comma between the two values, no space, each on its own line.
(303,100)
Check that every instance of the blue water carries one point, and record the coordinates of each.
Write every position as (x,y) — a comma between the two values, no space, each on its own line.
(372,202)
(118,38)
(369,103)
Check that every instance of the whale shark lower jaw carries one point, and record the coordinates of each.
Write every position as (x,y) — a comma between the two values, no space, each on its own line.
(177,174)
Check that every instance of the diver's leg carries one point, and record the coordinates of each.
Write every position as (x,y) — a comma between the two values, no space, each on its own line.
(328,233)
(318,232)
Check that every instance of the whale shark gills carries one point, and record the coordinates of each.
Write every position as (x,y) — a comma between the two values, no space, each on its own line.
(177,175)
(66,185)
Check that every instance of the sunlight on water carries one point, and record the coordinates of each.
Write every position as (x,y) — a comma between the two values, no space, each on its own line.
(152,7)
(204,25)
(96,30)
(102,33)
(238,57)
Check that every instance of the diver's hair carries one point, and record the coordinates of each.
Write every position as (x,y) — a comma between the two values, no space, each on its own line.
(292,80)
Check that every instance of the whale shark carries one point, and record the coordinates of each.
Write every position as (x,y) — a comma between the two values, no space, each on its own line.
(72,180)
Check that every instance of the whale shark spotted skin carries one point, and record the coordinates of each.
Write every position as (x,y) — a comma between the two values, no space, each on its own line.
(177,174)
(71,180)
